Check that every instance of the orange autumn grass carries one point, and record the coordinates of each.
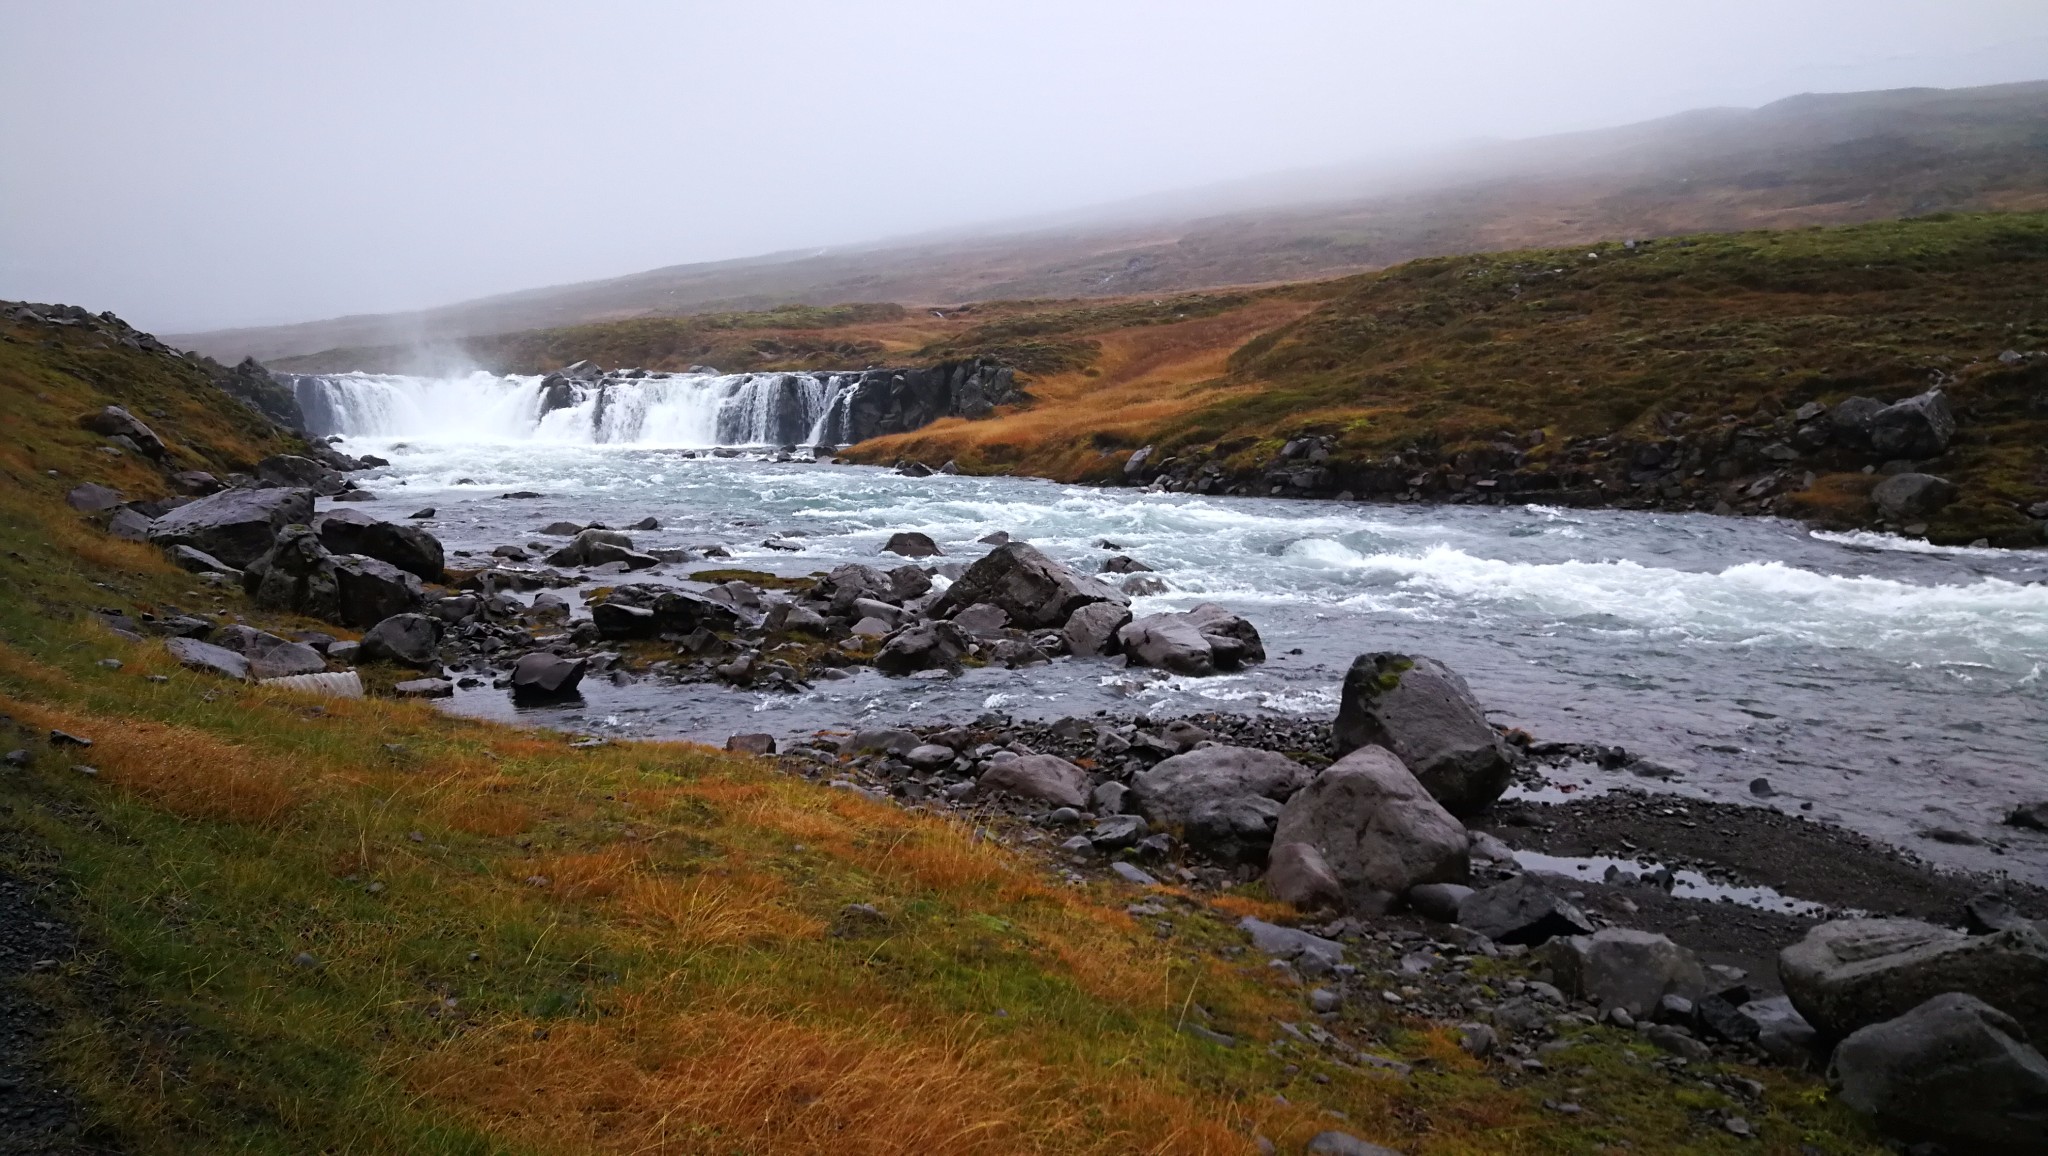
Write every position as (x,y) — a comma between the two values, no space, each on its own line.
(655,1079)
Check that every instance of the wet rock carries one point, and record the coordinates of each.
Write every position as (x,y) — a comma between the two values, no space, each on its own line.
(409,548)
(1907,496)
(91,498)
(1918,427)
(1125,564)
(1376,827)
(923,646)
(235,526)
(1296,873)
(1167,642)
(1953,1069)
(1620,967)
(2031,816)
(593,547)
(1233,640)
(1225,799)
(1142,586)
(1424,712)
(1991,912)
(407,639)
(912,544)
(984,621)
(557,529)
(644,611)
(1092,630)
(540,676)
(115,422)
(1035,591)
(1850,973)
(1522,910)
(422,514)
(880,740)
(289,471)
(1047,778)
(205,656)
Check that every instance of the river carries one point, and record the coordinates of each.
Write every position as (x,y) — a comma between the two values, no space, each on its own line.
(1891,686)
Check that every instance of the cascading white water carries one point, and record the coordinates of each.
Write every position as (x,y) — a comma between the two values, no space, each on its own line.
(692,410)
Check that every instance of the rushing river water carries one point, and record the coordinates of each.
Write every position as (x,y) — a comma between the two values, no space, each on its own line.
(1892,686)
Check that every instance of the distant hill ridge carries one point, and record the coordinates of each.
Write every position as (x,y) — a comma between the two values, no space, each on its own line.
(1805,160)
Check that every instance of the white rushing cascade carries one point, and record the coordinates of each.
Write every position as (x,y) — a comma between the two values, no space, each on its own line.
(689,410)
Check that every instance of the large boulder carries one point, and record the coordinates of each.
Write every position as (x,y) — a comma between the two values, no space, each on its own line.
(645,611)
(1907,497)
(1297,873)
(1034,590)
(270,656)
(91,498)
(1851,973)
(1422,711)
(197,655)
(368,590)
(1954,1070)
(1853,419)
(585,549)
(1918,427)
(1621,967)
(1203,640)
(295,574)
(115,422)
(407,547)
(1522,910)
(847,584)
(1046,778)
(1224,800)
(1092,630)
(1223,628)
(1376,827)
(289,471)
(922,646)
(235,526)
(912,544)
(407,639)
(541,676)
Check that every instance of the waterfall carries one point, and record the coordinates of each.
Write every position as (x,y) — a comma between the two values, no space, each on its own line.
(686,409)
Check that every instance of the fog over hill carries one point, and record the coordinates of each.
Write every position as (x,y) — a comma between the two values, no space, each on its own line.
(1810,159)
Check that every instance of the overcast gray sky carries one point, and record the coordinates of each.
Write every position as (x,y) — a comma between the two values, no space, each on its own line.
(194,165)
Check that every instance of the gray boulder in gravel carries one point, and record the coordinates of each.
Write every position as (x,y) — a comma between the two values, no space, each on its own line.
(1091,631)
(1224,800)
(407,547)
(407,639)
(1035,591)
(1422,711)
(1047,778)
(1906,496)
(1376,827)
(1625,968)
(235,526)
(1851,973)
(1954,1070)
(1522,910)
(1297,873)
(542,675)
(197,655)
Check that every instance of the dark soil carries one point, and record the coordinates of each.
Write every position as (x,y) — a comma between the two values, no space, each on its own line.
(38,1116)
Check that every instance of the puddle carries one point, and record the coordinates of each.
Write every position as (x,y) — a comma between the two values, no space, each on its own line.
(1686,884)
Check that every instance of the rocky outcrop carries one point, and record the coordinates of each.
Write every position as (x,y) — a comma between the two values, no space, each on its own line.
(1422,711)
(1852,973)
(1022,582)
(407,547)
(300,575)
(885,401)
(1954,1070)
(294,472)
(253,386)
(1376,827)
(642,611)
(235,526)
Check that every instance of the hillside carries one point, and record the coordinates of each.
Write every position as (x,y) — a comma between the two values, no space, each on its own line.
(1815,159)
(1668,374)
(292,924)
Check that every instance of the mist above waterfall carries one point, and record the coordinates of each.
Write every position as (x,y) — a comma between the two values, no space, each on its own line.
(684,410)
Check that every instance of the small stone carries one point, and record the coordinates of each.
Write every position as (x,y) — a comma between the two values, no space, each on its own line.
(1736,1126)
(109,664)
(305,959)
(66,739)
